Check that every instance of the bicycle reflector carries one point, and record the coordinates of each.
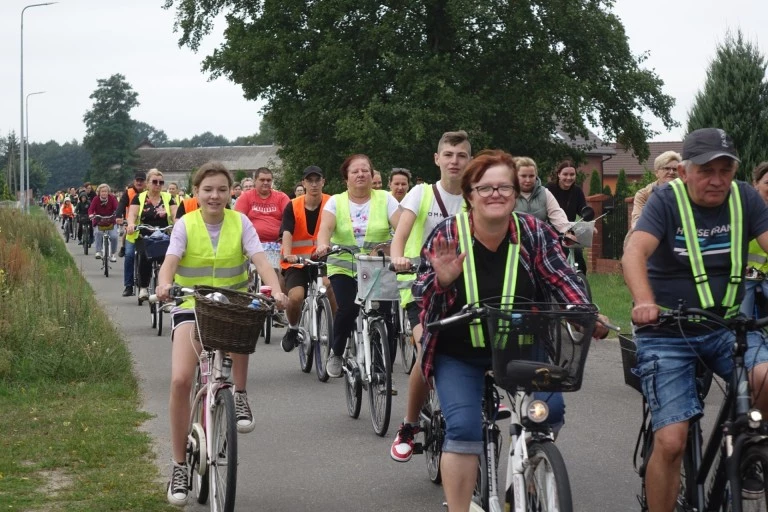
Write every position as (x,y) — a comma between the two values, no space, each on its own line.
(538,411)
(755,418)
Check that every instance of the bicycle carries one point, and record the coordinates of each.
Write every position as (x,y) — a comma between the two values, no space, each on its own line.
(711,473)
(106,245)
(316,324)
(68,229)
(155,246)
(272,252)
(84,226)
(367,363)
(531,351)
(223,321)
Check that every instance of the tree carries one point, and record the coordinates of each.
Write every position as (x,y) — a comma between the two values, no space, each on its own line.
(109,131)
(735,98)
(595,183)
(67,164)
(142,130)
(622,187)
(10,161)
(265,137)
(387,79)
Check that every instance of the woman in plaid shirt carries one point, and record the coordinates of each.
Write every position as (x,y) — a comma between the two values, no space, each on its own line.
(490,187)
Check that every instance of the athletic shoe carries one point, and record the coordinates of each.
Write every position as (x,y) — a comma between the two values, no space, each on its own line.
(122,252)
(177,486)
(128,291)
(113,258)
(98,255)
(333,366)
(280,320)
(402,446)
(752,487)
(243,413)
(290,339)
(143,293)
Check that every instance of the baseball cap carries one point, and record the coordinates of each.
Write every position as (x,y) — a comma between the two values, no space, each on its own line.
(705,144)
(312,169)
(140,175)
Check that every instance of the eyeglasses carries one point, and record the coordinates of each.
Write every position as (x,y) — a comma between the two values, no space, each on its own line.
(487,190)
(157,182)
(669,169)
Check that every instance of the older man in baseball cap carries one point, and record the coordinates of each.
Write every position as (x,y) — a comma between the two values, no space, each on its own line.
(690,243)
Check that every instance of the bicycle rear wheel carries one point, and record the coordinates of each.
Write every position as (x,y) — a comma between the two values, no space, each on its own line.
(306,350)
(546,479)
(754,469)
(324,336)
(223,470)
(434,433)
(380,386)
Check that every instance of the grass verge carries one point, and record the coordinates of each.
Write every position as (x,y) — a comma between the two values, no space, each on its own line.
(611,294)
(71,438)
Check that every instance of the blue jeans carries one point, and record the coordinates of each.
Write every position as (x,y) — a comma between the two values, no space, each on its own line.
(667,370)
(99,234)
(750,288)
(130,254)
(460,384)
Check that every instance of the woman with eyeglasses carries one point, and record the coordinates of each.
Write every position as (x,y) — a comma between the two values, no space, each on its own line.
(153,207)
(665,168)
(498,242)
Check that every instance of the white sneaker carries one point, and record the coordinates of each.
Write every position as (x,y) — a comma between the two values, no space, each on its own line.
(333,366)
(177,486)
(113,258)
(143,293)
(98,255)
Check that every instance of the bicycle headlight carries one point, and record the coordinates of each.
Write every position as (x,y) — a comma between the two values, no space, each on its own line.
(538,411)
(321,290)
(755,418)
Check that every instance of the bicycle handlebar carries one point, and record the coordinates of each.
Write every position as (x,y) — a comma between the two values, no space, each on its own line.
(696,314)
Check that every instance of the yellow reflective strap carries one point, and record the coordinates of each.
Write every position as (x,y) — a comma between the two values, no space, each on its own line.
(692,244)
(736,275)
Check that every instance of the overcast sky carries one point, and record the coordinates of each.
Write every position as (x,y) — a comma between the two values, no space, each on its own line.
(70,45)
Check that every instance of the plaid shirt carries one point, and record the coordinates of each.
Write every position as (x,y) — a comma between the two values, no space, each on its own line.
(540,254)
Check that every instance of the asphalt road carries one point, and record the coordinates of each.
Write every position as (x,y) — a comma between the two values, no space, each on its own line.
(308,454)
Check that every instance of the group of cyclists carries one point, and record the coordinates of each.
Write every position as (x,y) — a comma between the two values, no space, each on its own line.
(488,215)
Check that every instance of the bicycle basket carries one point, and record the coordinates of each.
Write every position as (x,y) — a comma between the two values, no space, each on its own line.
(233,327)
(584,231)
(156,247)
(533,349)
(374,279)
(629,361)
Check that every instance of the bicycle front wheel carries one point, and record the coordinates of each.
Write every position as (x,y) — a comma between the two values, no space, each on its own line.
(223,453)
(380,385)
(546,479)
(324,337)
(306,351)
(407,346)
(754,471)
(86,239)
(106,256)
(353,387)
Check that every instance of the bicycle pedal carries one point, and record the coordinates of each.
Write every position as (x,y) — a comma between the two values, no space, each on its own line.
(418,448)
(393,392)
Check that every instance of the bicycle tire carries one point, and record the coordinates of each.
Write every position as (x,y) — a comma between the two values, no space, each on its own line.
(197,456)
(106,257)
(480,494)
(433,438)
(380,386)
(753,456)
(324,336)
(546,463)
(67,231)
(223,471)
(266,331)
(306,347)
(86,240)
(153,315)
(353,387)
(407,347)
(159,309)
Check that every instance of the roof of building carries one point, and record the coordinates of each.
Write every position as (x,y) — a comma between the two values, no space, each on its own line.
(234,158)
(626,160)
(592,145)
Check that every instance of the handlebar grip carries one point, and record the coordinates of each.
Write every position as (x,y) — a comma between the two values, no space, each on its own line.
(152,298)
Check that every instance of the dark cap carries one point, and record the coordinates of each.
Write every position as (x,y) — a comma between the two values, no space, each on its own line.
(705,144)
(312,169)
(140,175)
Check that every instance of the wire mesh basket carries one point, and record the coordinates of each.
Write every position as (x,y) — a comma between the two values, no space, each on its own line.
(374,279)
(233,326)
(584,232)
(533,348)
(629,361)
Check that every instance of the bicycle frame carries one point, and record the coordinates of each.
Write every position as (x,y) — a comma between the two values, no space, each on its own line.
(362,340)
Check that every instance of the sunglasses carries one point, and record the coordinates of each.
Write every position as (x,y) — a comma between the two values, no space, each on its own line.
(157,182)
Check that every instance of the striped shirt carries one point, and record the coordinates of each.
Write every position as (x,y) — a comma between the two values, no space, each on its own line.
(540,255)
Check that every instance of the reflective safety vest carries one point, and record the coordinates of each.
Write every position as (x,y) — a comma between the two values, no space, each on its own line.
(304,242)
(376,232)
(757,257)
(190,205)
(415,242)
(470,276)
(694,249)
(225,267)
(166,197)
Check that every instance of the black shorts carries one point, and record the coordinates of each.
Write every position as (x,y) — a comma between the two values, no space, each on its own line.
(296,277)
(413,310)
(181,317)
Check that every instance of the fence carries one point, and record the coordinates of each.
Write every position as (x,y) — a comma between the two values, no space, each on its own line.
(615,227)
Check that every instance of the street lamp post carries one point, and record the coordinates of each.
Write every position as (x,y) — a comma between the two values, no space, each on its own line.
(22,189)
(26,110)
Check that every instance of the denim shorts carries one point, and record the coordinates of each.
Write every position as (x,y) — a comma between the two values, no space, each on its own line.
(460,384)
(667,369)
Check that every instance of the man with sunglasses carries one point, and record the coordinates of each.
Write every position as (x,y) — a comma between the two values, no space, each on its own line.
(128,250)
(301,223)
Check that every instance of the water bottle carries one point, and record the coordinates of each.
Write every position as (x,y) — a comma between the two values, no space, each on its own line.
(255,304)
